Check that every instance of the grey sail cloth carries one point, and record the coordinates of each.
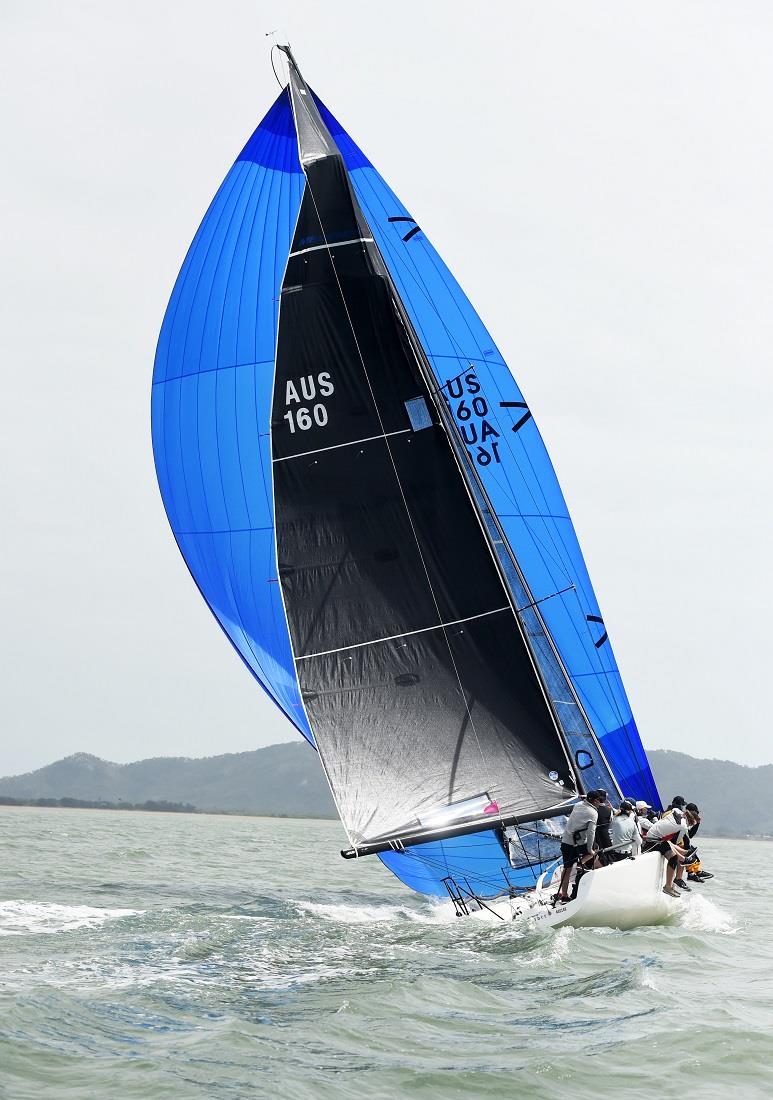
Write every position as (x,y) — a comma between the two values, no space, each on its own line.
(314,140)
(416,681)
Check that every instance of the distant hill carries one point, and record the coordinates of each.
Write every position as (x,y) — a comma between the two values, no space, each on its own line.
(734,800)
(281,779)
(287,780)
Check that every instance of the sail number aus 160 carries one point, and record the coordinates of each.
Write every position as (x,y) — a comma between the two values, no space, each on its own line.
(307,388)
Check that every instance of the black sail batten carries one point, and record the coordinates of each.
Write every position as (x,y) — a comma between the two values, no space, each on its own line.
(409,840)
(417,684)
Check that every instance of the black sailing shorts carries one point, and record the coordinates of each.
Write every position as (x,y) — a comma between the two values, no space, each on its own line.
(664,849)
(572,853)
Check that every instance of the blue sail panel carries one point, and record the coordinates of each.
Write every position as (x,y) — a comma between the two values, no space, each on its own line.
(211,404)
(502,438)
(477,860)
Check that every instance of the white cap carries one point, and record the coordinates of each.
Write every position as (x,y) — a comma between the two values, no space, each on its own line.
(642,805)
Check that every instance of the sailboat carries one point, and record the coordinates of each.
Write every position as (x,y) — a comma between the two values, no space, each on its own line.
(361,494)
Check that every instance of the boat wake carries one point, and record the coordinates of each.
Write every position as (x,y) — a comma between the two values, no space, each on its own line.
(701,915)
(29,918)
(440,913)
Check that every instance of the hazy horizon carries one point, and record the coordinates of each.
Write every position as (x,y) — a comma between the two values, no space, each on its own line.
(599,181)
(299,740)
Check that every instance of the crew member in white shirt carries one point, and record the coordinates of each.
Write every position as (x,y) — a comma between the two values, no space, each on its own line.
(626,840)
(669,836)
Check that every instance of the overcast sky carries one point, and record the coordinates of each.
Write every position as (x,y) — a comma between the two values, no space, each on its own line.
(599,178)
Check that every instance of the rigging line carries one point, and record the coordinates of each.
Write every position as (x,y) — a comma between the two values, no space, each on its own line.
(406,634)
(419,281)
(481,504)
(445,864)
(436,388)
(337,446)
(448,865)
(271,57)
(544,599)
(415,273)
(394,464)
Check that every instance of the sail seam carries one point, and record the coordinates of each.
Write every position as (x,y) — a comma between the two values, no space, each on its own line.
(394,467)
(337,446)
(403,634)
(543,549)
(333,244)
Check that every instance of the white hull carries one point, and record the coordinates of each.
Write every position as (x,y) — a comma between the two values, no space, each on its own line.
(627,894)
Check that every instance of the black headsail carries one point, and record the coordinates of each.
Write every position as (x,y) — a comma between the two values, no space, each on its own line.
(419,688)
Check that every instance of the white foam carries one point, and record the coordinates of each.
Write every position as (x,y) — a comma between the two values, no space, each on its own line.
(648,979)
(551,950)
(701,915)
(378,914)
(31,918)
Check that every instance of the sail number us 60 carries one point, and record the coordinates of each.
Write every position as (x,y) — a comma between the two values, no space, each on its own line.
(307,389)
(471,411)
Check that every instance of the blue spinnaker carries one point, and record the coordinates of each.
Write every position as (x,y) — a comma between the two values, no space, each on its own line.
(212,386)
(212,393)
(477,860)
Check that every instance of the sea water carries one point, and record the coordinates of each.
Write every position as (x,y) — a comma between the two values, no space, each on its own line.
(162,955)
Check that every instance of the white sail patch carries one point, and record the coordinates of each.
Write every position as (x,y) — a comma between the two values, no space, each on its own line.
(307,388)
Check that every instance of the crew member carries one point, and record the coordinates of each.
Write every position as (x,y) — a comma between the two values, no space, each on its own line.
(667,836)
(603,834)
(625,835)
(679,880)
(578,837)
(643,820)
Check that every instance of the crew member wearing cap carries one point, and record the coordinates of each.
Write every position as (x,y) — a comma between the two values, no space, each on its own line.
(667,836)
(625,835)
(643,818)
(578,837)
(678,802)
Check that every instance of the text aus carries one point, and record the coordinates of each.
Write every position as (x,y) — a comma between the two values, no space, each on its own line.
(307,389)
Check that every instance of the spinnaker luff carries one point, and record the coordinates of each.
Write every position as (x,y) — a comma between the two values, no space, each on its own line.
(363,498)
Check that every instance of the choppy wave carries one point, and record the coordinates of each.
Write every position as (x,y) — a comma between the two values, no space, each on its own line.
(246,959)
(30,918)
(438,913)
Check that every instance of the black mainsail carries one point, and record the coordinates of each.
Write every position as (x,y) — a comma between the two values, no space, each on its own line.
(418,686)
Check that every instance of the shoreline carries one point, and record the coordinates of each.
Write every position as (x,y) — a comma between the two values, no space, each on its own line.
(164,810)
(152,806)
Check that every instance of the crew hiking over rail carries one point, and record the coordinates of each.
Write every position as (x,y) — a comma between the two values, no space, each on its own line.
(597,836)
